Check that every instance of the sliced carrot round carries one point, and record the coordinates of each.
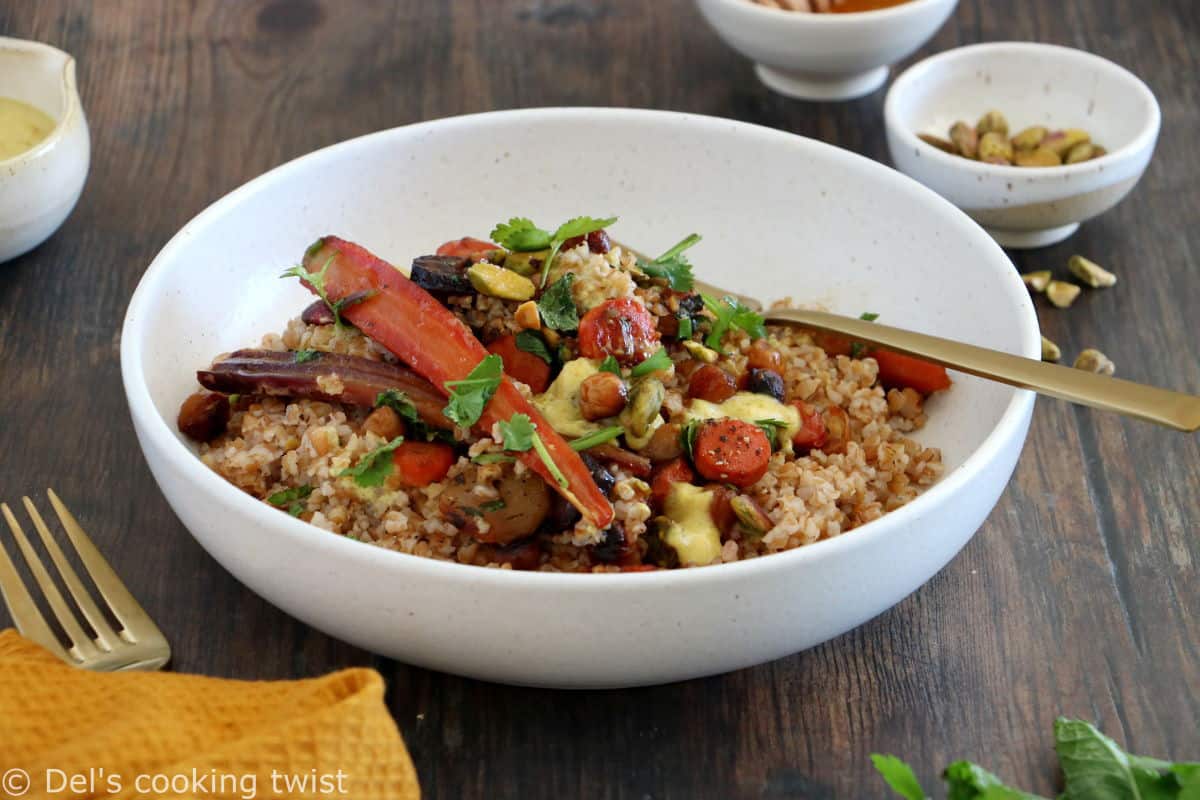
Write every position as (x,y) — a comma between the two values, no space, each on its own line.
(731,451)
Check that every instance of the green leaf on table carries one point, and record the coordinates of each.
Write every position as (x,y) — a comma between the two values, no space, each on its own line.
(899,776)
(557,306)
(1096,768)
(374,467)
(968,781)
(470,396)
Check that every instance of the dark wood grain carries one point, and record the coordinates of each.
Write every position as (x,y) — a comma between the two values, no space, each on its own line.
(1079,596)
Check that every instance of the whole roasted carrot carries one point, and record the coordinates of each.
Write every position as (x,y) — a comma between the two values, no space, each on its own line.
(424,334)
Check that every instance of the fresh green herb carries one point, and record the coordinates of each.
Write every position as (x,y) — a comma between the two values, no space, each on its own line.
(685,327)
(521,235)
(374,467)
(492,458)
(417,429)
(579,226)
(539,447)
(316,279)
(291,499)
(610,364)
(673,265)
(772,428)
(660,360)
(899,776)
(302,356)
(868,316)
(532,342)
(492,505)
(597,437)
(470,396)
(1094,768)
(730,313)
(858,348)
(687,436)
(517,432)
(557,306)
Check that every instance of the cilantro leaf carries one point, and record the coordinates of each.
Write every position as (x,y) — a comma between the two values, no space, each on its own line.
(687,436)
(967,781)
(868,316)
(772,428)
(398,401)
(301,356)
(598,437)
(899,776)
(520,235)
(730,313)
(532,342)
(517,432)
(673,265)
(610,364)
(557,306)
(578,226)
(373,468)
(470,396)
(291,499)
(316,279)
(660,360)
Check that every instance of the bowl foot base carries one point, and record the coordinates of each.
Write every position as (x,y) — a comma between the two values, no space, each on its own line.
(807,86)
(1027,240)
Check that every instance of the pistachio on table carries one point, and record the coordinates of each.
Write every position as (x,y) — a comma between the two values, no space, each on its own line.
(1090,272)
(1092,360)
(1038,281)
(1061,293)
(1050,351)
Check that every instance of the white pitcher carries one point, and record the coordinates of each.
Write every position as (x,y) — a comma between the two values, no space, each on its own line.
(39,187)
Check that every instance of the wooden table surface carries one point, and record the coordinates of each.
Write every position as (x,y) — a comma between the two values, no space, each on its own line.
(1078,596)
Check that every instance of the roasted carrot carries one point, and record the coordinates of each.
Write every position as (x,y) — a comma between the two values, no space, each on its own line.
(676,471)
(419,464)
(731,451)
(525,367)
(897,370)
(424,334)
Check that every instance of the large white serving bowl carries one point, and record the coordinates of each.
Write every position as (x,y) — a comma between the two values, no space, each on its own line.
(781,215)
(1032,84)
(825,56)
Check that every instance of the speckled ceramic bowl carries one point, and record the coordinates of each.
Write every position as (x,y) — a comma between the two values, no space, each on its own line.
(1032,84)
(780,215)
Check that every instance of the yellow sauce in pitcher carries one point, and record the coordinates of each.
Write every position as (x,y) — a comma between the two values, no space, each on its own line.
(22,127)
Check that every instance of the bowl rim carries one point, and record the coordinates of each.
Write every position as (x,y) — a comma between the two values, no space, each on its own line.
(910,7)
(182,458)
(1145,137)
(69,91)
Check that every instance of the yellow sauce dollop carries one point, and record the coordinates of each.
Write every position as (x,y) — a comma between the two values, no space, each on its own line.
(22,127)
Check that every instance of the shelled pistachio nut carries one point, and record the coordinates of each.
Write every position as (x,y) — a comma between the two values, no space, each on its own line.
(1050,351)
(1030,138)
(1061,293)
(992,122)
(1037,281)
(1090,272)
(965,138)
(945,145)
(995,148)
(1041,157)
(1092,360)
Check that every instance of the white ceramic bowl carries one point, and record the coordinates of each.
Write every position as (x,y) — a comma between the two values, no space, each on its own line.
(38,188)
(1032,84)
(825,56)
(786,215)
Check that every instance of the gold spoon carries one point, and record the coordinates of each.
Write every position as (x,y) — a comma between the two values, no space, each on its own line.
(1162,406)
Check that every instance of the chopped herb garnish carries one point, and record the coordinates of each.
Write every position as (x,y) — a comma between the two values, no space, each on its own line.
(521,235)
(539,447)
(532,342)
(730,313)
(557,306)
(492,458)
(858,348)
(492,505)
(597,437)
(517,432)
(673,266)
(685,327)
(868,316)
(687,436)
(317,281)
(417,428)
(579,226)
(659,361)
(374,467)
(772,428)
(302,356)
(610,364)
(291,499)
(470,396)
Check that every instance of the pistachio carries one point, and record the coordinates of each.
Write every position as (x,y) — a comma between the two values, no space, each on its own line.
(1090,272)
(938,142)
(527,316)
(1098,151)
(526,263)
(500,282)
(992,122)
(752,518)
(1038,281)
(993,145)
(1061,142)
(1080,153)
(700,352)
(1042,157)
(965,138)
(645,404)
(1092,360)
(1030,138)
(1050,351)
(1061,293)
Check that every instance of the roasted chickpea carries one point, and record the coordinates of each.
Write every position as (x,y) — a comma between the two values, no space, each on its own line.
(602,395)
(712,383)
(763,356)
(384,422)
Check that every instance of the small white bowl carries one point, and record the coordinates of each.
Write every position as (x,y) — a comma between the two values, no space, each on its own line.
(780,215)
(1032,84)
(38,188)
(825,56)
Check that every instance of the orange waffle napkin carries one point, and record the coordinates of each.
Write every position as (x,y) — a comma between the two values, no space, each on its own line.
(161,735)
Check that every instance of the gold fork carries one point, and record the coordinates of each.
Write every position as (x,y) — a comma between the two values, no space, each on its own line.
(139,645)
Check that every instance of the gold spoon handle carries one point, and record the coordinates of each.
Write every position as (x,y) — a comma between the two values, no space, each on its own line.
(1172,409)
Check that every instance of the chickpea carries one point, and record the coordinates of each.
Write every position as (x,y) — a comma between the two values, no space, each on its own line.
(763,356)
(602,395)
(384,422)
